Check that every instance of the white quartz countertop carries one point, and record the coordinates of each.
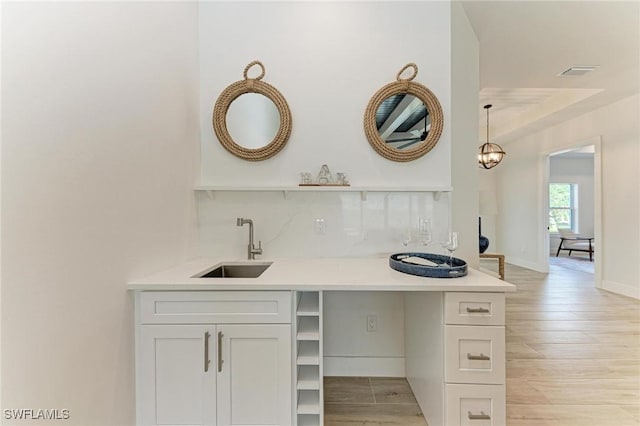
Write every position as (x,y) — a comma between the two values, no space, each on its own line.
(344,274)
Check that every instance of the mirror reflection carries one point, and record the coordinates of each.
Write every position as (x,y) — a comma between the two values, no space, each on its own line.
(403,121)
(253,120)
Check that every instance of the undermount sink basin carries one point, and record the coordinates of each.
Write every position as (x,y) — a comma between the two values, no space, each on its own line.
(236,270)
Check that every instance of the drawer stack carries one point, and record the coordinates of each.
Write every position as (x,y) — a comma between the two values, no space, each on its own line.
(474,336)
(309,374)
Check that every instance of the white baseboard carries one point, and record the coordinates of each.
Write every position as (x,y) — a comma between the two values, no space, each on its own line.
(526,264)
(364,366)
(620,288)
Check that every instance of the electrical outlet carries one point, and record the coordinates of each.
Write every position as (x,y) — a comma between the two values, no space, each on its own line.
(372,323)
(319,226)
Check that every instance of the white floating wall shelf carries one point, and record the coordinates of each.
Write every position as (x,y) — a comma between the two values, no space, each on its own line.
(363,190)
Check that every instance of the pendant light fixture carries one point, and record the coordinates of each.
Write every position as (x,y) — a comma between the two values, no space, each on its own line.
(491,154)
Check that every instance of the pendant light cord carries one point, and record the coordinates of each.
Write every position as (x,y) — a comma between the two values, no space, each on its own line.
(487,125)
(487,108)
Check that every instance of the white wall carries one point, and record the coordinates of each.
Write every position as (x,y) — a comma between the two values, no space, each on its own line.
(328,59)
(99,137)
(465,86)
(1,37)
(520,192)
(578,171)
(487,182)
(349,350)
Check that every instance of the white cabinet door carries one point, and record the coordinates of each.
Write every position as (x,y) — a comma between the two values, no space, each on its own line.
(174,386)
(254,377)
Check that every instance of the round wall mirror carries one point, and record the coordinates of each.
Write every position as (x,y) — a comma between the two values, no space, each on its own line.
(403,121)
(251,118)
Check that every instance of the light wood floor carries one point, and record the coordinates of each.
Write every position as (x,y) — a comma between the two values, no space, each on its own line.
(573,351)
(573,358)
(371,401)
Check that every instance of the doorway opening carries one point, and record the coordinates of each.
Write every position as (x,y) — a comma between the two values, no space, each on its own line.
(572,208)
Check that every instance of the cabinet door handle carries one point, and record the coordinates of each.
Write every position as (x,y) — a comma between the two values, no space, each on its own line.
(220,361)
(481,357)
(206,351)
(481,416)
(477,310)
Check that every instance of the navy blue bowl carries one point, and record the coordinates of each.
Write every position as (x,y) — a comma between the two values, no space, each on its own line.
(442,270)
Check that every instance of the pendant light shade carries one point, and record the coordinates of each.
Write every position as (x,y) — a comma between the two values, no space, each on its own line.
(491,154)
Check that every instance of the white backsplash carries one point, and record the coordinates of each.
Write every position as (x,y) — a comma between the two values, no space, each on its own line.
(374,227)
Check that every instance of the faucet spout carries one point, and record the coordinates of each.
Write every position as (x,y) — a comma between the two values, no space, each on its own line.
(251,249)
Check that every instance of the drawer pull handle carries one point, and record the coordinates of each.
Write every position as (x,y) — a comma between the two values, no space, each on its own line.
(477,310)
(481,357)
(481,416)
(220,361)
(206,351)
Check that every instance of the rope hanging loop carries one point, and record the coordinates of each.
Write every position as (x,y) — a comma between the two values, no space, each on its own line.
(406,67)
(248,67)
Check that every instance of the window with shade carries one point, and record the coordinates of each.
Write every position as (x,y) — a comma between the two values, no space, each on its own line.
(563,206)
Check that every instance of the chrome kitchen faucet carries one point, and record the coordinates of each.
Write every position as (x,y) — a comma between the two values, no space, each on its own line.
(252,250)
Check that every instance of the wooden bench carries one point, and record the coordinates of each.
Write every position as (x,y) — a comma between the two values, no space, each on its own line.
(576,243)
(500,258)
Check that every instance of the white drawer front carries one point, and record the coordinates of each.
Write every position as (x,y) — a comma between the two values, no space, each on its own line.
(474,354)
(215,307)
(475,405)
(474,308)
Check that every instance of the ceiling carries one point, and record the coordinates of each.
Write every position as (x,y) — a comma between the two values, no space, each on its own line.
(525,45)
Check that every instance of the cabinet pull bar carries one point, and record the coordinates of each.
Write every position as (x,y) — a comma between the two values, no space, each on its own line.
(220,361)
(481,416)
(206,351)
(478,310)
(481,357)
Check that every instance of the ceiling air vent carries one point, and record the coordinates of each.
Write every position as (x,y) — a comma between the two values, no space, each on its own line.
(581,70)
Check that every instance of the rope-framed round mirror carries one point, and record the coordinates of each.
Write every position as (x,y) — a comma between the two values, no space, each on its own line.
(255,126)
(403,120)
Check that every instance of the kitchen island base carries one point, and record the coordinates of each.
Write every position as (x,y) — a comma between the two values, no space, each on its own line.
(241,351)
(255,357)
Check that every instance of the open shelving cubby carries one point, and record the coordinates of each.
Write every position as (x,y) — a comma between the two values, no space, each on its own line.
(309,372)
(308,328)
(308,352)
